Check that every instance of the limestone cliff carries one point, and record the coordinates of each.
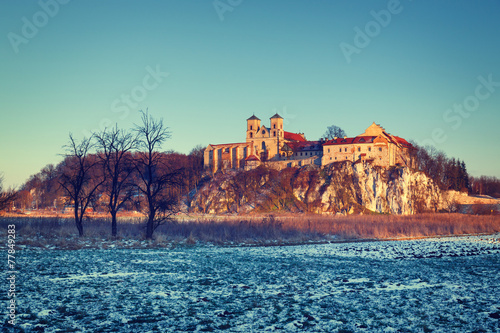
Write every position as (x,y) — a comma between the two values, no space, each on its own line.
(337,188)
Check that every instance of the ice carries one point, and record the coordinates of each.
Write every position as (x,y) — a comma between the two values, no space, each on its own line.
(440,284)
(45,313)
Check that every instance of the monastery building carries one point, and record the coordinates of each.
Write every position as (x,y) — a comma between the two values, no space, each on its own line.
(278,148)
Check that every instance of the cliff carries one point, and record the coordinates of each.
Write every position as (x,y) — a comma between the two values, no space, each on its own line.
(337,188)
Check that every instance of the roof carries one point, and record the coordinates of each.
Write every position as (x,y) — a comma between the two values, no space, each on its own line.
(355,140)
(229,145)
(402,141)
(277,116)
(253,118)
(293,136)
(252,157)
(305,146)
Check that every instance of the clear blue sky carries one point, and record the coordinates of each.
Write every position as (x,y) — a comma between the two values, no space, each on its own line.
(425,70)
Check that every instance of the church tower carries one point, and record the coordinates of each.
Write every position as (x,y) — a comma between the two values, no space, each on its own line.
(253,125)
(277,126)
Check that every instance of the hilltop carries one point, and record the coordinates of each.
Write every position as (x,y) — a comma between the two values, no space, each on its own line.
(339,188)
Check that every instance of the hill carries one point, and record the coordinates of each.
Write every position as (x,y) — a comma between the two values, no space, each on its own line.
(336,188)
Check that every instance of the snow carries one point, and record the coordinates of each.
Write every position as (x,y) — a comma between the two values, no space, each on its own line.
(440,284)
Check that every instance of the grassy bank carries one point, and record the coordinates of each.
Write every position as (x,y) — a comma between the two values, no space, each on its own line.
(52,232)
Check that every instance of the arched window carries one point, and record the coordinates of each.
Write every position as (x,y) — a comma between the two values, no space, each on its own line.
(274,133)
(251,135)
(274,126)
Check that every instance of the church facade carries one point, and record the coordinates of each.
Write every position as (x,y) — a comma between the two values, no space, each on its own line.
(278,148)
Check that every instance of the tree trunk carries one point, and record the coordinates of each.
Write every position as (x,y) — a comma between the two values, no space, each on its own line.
(150,227)
(114,228)
(78,222)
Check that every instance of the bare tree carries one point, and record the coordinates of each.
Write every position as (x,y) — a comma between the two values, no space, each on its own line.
(196,166)
(156,175)
(79,178)
(115,154)
(6,197)
(334,131)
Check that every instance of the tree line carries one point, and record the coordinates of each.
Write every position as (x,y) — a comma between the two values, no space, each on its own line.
(117,170)
(447,173)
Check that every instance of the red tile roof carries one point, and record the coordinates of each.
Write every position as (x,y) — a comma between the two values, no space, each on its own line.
(358,139)
(252,158)
(402,141)
(293,136)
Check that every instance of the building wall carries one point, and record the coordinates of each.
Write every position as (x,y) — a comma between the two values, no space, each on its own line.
(265,136)
(225,156)
(378,153)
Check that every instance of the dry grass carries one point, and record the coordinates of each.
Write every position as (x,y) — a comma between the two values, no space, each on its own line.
(286,229)
(396,226)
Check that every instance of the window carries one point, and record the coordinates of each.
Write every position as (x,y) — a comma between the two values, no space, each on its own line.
(251,127)
(369,148)
(300,154)
(359,148)
(274,133)
(335,158)
(263,132)
(330,158)
(251,135)
(274,126)
(340,150)
(380,149)
(263,145)
(345,150)
(328,149)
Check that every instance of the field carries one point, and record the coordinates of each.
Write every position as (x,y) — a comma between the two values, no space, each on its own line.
(61,233)
(429,285)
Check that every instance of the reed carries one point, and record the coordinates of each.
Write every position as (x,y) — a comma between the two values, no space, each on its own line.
(263,229)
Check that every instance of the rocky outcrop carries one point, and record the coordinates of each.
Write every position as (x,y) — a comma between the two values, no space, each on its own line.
(336,188)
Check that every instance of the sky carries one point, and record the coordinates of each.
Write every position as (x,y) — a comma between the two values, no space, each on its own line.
(427,71)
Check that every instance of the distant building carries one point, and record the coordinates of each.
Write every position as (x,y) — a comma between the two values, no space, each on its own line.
(278,148)
(375,145)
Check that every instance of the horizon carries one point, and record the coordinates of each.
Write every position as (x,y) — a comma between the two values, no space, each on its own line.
(424,71)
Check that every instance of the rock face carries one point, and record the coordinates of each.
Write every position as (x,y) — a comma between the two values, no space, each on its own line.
(337,188)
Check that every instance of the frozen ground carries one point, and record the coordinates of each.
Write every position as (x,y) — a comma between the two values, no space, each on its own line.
(440,285)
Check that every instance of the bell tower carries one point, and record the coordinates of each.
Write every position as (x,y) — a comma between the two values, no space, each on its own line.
(277,126)
(253,125)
